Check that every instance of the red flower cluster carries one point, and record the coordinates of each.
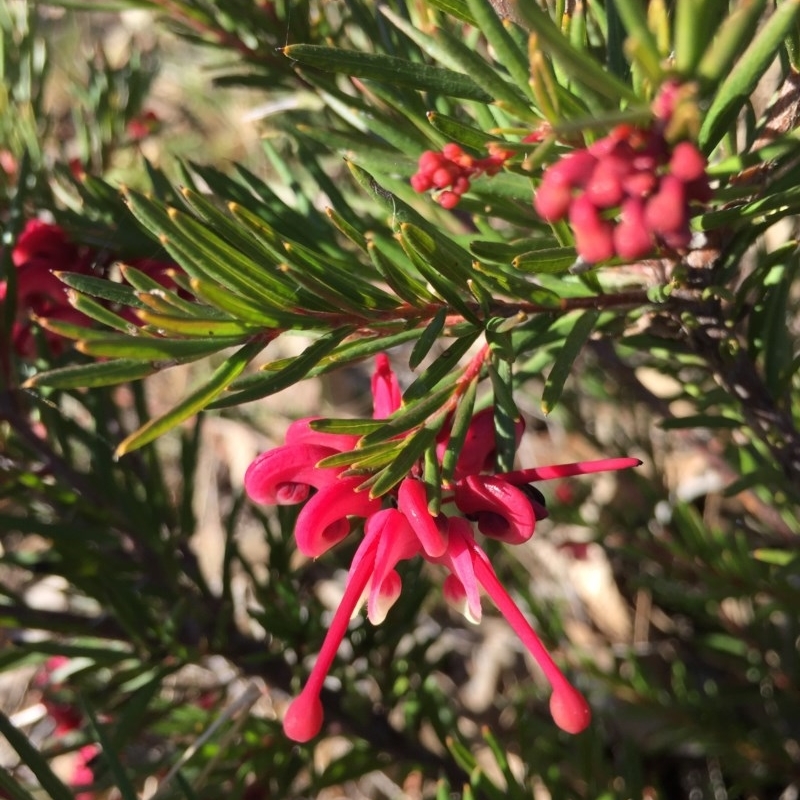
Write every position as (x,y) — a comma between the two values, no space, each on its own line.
(40,250)
(400,526)
(451,171)
(627,193)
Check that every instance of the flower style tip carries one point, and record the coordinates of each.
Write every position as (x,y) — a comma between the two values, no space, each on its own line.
(569,709)
(303,719)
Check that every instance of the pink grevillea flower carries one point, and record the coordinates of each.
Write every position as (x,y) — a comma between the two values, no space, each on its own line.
(630,192)
(41,250)
(400,526)
(450,172)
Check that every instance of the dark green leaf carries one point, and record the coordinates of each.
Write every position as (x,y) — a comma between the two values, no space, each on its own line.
(103,373)
(573,344)
(388,69)
(33,760)
(222,377)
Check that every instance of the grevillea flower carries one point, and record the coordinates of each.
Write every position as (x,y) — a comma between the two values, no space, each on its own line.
(41,250)
(450,172)
(400,526)
(629,192)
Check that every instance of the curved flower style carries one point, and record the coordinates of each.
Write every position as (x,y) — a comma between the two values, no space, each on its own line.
(399,527)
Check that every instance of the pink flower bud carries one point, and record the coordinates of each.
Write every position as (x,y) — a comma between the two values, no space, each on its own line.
(604,188)
(448,200)
(430,161)
(640,184)
(594,236)
(687,162)
(667,211)
(452,151)
(632,239)
(552,200)
(421,182)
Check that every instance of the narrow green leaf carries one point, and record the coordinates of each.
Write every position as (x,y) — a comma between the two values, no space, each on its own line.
(691,40)
(197,327)
(554,385)
(410,416)
(577,63)
(735,90)
(446,275)
(108,753)
(447,361)
(247,311)
(633,16)
(733,35)
(388,69)
(506,414)
(371,457)
(779,558)
(294,371)
(505,47)
(101,288)
(408,288)
(347,229)
(104,373)
(356,427)
(454,54)
(552,260)
(153,348)
(429,337)
(413,449)
(99,313)
(455,8)
(462,418)
(455,131)
(701,421)
(33,760)
(250,388)
(222,377)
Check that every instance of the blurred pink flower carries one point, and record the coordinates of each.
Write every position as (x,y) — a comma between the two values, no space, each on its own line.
(41,250)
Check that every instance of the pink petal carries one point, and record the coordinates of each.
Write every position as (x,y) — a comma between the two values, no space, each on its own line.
(303,718)
(412,500)
(386,397)
(301,432)
(396,542)
(568,707)
(458,559)
(323,521)
(501,509)
(285,474)
(456,597)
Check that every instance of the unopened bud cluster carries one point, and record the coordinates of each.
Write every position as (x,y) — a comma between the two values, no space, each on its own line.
(630,192)
(451,171)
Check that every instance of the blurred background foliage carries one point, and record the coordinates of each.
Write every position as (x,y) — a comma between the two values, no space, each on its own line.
(219,137)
